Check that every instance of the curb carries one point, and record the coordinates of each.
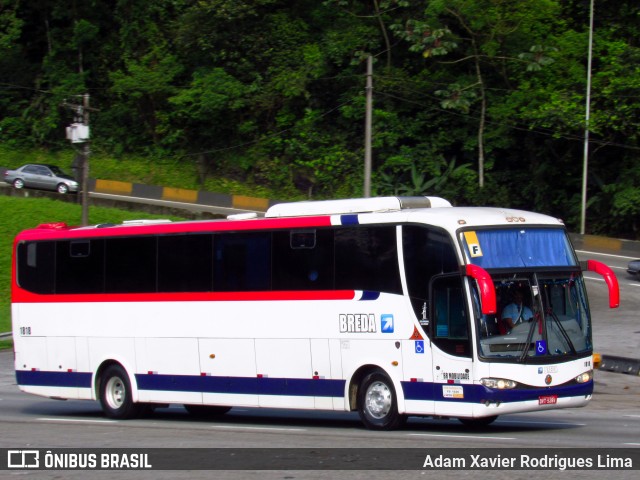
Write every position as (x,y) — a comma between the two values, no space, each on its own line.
(154,192)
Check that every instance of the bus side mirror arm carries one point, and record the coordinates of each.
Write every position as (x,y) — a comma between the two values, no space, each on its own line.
(610,279)
(485,286)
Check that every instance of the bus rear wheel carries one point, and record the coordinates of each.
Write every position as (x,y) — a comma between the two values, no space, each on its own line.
(378,403)
(115,394)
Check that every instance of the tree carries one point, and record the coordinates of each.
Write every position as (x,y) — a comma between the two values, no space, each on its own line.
(487,35)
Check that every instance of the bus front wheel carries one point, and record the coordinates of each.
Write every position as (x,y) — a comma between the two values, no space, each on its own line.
(115,394)
(377,402)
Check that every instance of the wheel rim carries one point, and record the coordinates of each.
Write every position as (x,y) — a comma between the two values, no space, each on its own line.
(115,392)
(378,400)
(62,189)
(18,184)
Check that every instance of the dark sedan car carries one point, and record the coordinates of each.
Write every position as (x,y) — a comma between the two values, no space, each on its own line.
(47,177)
(634,268)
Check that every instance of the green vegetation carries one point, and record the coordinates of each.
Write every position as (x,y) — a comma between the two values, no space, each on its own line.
(17,214)
(482,101)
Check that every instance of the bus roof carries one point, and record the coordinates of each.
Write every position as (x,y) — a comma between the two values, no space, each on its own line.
(427,210)
(354,205)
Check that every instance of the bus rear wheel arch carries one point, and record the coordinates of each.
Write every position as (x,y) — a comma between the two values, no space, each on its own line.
(377,402)
(115,393)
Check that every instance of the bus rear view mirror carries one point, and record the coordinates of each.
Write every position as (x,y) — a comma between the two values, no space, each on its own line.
(610,279)
(485,287)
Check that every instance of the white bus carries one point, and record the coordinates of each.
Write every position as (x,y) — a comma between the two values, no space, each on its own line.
(386,306)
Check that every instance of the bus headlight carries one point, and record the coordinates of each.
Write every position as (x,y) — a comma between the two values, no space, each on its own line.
(498,383)
(585,377)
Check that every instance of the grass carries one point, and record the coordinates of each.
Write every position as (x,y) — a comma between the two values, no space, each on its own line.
(17,214)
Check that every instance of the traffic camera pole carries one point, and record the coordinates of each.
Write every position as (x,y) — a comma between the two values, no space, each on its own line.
(85,165)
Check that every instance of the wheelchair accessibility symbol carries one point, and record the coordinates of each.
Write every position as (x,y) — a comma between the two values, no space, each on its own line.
(541,347)
(419,346)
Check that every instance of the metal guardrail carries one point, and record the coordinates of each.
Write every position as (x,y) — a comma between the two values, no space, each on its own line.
(629,366)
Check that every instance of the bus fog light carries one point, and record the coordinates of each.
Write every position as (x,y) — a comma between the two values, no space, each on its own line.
(585,377)
(498,383)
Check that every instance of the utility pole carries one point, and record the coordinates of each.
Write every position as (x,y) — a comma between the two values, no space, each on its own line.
(78,132)
(85,163)
(367,128)
(585,159)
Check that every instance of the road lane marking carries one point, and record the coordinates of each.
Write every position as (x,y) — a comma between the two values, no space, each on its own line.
(75,420)
(459,436)
(273,429)
(590,252)
(553,424)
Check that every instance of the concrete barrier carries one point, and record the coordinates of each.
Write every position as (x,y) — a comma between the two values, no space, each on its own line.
(154,192)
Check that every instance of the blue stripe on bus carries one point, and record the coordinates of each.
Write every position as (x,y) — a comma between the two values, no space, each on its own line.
(242,385)
(369,295)
(53,379)
(191,383)
(425,391)
(481,394)
(349,220)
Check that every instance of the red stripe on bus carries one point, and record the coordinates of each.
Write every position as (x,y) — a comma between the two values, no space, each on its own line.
(212,226)
(21,296)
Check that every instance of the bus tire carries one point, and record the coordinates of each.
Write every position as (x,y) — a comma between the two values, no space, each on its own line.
(378,403)
(477,422)
(205,411)
(115,394)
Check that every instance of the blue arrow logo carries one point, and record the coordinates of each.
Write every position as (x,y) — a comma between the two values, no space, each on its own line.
(386,323)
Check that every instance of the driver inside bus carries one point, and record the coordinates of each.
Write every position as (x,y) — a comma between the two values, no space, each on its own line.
(516,312)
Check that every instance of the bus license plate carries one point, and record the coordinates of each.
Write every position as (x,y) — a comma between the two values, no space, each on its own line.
(547,399)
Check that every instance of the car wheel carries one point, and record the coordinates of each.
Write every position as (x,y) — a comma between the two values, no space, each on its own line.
(18,183)
(62,188)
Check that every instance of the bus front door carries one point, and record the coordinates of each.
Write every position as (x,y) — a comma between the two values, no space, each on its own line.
(452,352)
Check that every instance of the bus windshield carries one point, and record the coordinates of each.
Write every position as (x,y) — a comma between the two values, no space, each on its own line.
(539,315)
(542,308)
(519,247)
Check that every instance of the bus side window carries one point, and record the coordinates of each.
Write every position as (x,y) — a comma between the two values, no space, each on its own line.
(130,264)
(35,266)
(303,259)
(242,262)
(80,266)
(366,258)
(185,263)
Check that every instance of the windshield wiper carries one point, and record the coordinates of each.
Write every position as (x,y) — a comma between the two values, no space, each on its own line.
(562,331)
(534,321)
